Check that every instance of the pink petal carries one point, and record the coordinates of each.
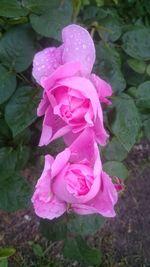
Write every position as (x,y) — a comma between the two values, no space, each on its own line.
(100,133)
(103,88)
(64,71)
(85,87)
(83,147)
(60,161)
(103,203)
(46,62)
(53,127)
(47,205)
(43,105)
(78,46)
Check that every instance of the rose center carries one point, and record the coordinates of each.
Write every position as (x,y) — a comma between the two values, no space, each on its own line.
(79,180)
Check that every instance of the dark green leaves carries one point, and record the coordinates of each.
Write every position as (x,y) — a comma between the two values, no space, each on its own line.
(8,160)
(116,168)
(54,230)
(85,225)
(21,110)
(77,249)
(109,66)
(40,6)
(7,84)
(143,96)
(12,8)
(51,22)
(14,193)
(137,65)
(127,123)
(136,43)
(115,150)
(6,252)
(17,48)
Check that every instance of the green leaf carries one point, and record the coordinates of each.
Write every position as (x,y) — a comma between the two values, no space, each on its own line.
(116,168)
(143,96)
(12,8)
(137,65)
(136,43)
(146,124)
(7,84)
(14,193)
(54,230)
(17,48)
(20,111)
(85,225)
(132,78)
(108,65)
(115,150)
(51,22)
(110,29)
(40,6)
(132,91)
(148,70)
(4,263)
(6,252)
(8,160)
(100,3)
(23,154)
(77,249)
(4,129)
(127,123)
(38,251)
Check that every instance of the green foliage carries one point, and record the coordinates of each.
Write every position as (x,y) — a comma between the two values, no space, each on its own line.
(12,9)
(54,230)
(109,66)
(15,193)
(116,168)
(136,43)
(4,263)
(51,22)
(85,225)
(6,252)
(127,124)
(115,150)
(77,249)
(17,48)
(20,111)
(7,84)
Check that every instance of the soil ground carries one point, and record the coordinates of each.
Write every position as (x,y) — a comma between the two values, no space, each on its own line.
(124,241)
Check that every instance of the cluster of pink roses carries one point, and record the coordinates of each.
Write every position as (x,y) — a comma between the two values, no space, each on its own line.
(74,180)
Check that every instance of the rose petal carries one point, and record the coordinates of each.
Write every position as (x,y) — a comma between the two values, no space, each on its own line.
(60,161)
(46,62)
(78,46)
(64,71)
(103,203)
(85,87)
(53,127)
(43,105)
(46,205)
(83,147)
(103,88)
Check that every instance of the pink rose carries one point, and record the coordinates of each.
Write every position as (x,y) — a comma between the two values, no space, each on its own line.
(74,181)
(71,97)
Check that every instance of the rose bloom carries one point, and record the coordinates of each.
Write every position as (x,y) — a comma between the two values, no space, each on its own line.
(72,95)
(74,181)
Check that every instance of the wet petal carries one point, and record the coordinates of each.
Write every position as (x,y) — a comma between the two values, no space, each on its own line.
(78,46)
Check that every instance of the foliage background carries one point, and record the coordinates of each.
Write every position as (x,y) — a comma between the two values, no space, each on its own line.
(121,33)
